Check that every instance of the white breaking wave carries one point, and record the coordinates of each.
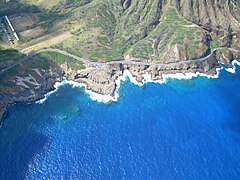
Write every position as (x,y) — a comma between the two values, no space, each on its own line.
(108,98)
(127,74)
(94,96)
(133,80)
(56,86)
(233,69)
(189,75)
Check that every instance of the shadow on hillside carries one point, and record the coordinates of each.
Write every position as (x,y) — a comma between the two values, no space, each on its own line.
(14,6)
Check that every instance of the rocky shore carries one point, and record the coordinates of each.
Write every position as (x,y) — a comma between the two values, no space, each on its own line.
(99,80)
(103,80)
(28,89)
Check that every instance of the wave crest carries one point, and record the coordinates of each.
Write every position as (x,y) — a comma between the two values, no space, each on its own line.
(127,75)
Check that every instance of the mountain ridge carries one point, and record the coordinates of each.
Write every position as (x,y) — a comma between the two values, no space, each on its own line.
(106,30)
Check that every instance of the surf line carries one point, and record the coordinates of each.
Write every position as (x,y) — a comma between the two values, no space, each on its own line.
(105,98)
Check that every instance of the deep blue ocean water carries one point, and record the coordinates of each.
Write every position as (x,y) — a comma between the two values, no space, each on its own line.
(185,129)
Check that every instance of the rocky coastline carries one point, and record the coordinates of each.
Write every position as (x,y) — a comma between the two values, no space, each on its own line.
(22,95)
(103,80)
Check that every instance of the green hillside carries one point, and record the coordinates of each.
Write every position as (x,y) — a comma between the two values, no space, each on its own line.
(106,30)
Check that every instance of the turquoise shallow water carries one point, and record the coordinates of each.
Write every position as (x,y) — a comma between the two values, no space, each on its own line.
(185,129)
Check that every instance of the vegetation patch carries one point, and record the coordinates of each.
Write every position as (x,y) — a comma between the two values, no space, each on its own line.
(106,30)
(9,57)
(61,59)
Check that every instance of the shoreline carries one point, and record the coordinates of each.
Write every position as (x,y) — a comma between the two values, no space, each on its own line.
(127,74)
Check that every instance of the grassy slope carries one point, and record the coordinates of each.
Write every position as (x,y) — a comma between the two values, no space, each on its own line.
(61,59)
(105,30)
(8,57)
(170,31)
(93,27)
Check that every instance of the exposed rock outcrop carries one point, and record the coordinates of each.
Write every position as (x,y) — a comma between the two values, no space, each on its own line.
(28,88)
(33,86)
(102,80)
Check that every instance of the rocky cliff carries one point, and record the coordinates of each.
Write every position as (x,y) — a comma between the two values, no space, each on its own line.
(220,18)
(27,83)
(103,80)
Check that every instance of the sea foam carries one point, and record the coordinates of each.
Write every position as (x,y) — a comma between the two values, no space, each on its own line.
(165,77)
(233,69)
(127,75)
(56,87)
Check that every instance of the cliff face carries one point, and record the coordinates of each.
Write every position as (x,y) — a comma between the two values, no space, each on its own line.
(27,83)
(220,18)
(103,80)
(212,14)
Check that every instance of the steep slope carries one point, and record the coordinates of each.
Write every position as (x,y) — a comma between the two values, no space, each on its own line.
(221,18)
(158,30)
(147,30)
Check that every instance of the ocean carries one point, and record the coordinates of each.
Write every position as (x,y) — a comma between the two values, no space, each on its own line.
(182,129)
